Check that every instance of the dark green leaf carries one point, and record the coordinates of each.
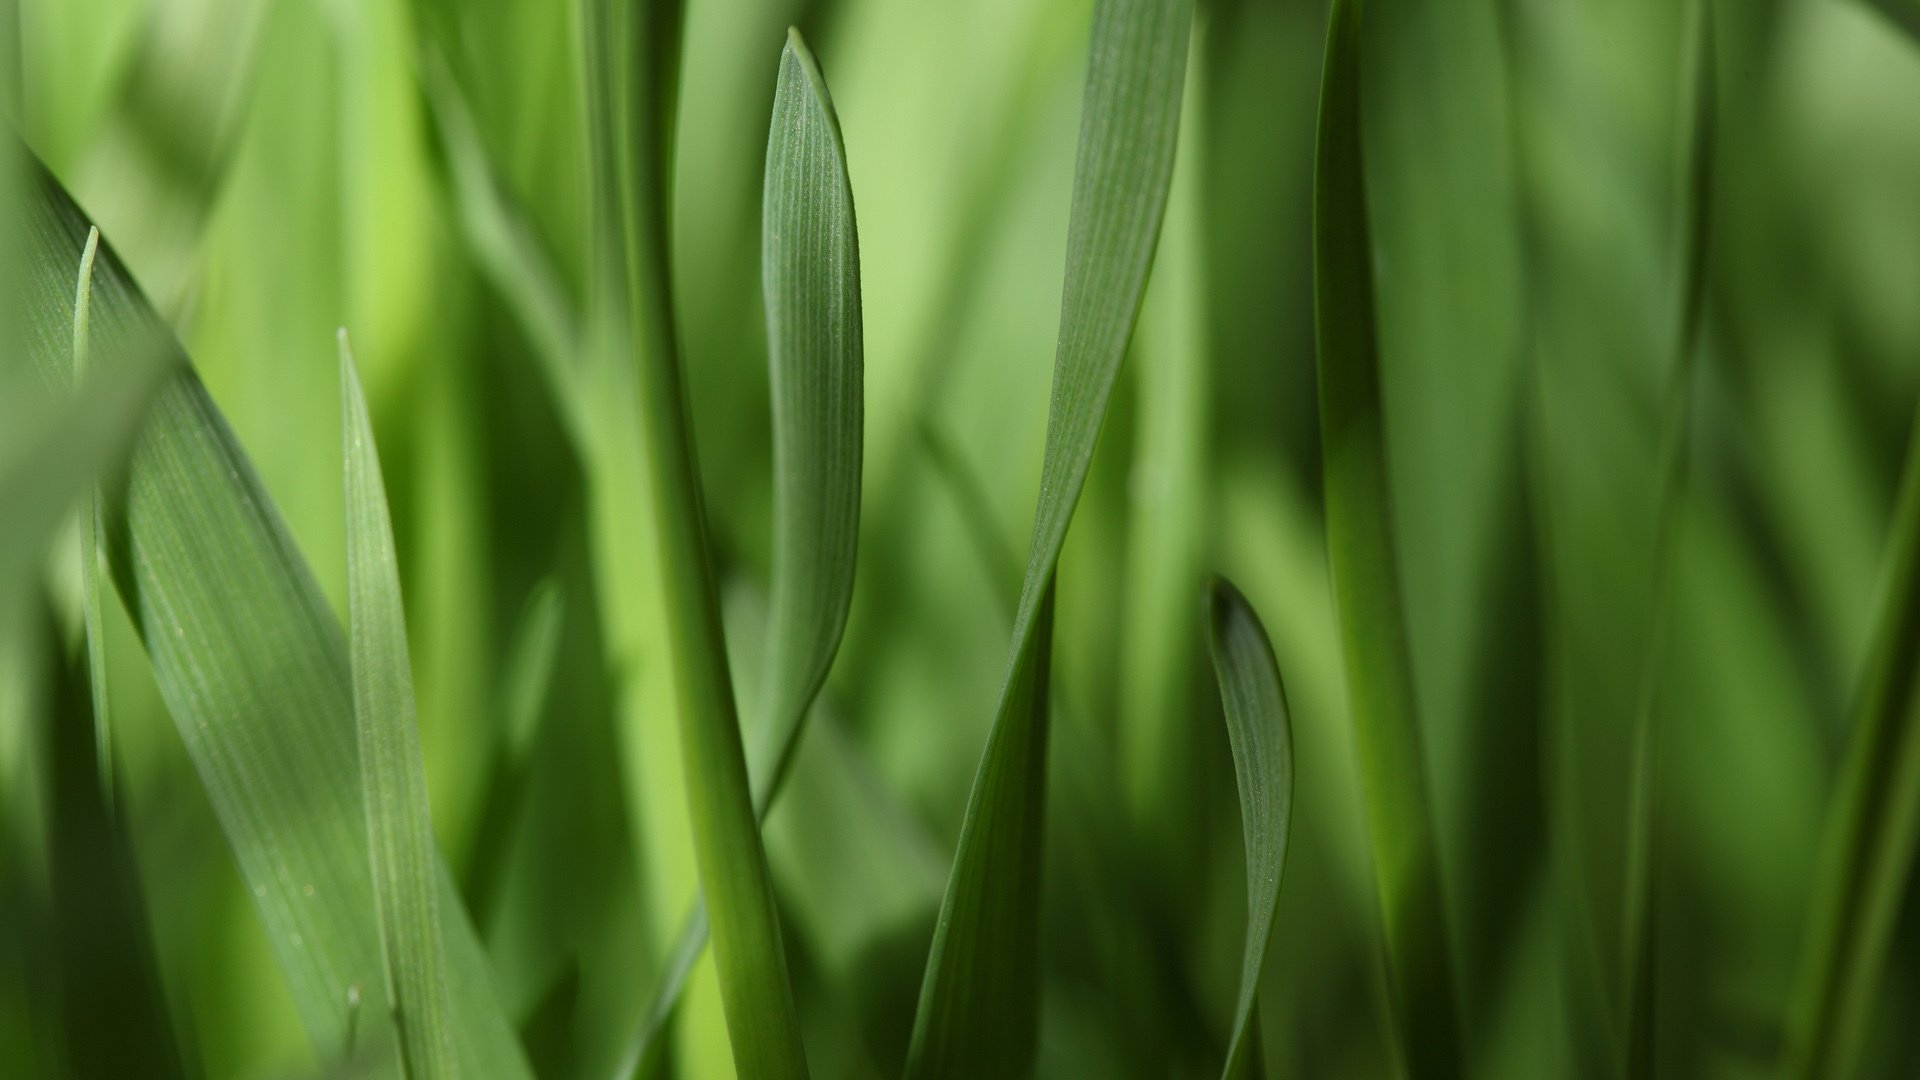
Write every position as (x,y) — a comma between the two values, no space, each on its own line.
(1366,576)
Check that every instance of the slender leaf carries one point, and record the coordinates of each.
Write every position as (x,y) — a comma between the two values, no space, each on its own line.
(811,264)
(93,624)
(810,256)
(248,658)
(633,56)
(978,1000)
(528,676)
(1643,823)
(1366,576)
(1873,825)
(393,778)
(1259,727)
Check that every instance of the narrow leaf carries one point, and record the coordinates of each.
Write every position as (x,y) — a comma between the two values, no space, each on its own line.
(1867,859)
(249,659)
(92,618)
(810,261)
(633,58)
(1643,823)
(979,997)
(1366,576)
(393,779)
(1261,733)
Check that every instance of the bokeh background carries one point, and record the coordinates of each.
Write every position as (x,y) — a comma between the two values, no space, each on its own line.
(274,169)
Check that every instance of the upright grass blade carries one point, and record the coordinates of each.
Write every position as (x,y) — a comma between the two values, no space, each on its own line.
(94,625)
(1366,577)
(1261,732)
(633,50)
(393,778)
(248,658)
(1867,860)
(810,259)
(977,1008)
(1639,944)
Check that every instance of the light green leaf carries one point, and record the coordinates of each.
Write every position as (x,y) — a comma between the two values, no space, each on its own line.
(810,257)
(977,1002)
(633,58)
(1366,576)
(393,779)
(1261,732)
(248,658)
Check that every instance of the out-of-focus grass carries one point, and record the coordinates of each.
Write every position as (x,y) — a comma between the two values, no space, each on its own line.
(271,170)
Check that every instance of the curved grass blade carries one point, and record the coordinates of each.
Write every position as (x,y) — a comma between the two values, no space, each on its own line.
(810,259)
(1366,576)
(249,659)
(633,57)
(393,778)
(1873,827)
(94,624)
(978,1000)
(1643,824)
(1262,736)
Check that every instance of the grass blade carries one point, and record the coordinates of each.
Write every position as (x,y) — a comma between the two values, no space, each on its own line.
(1643,824)
(249,659)
(810,256)
(1873,827)
(811,262)
(977,1002)
(1261,732)
(91,618)
(393,778)
(633,51)
(1366,576)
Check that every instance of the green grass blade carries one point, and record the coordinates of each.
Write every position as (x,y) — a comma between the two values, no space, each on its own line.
(393,778)
(528,676)
(1873,825)
(633,51)
(92,619)
(811,262)
(1643,824)
(1259,727)
(1366,577)
(249,659)
(978,999)
(810,256)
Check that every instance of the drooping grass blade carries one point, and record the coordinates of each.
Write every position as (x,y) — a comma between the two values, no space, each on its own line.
(811,268)
(249,659)
(1261,732)
(1643,825)
(633,59)
(393,778)
(1366,576)
(978,1001)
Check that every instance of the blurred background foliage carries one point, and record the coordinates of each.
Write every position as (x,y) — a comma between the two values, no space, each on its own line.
(272,169)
